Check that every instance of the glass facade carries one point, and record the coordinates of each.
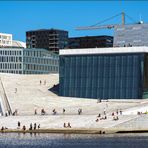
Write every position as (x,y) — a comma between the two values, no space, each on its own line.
(28,61)
(108,76)
(40,61)
(11,60)
(90,42)
(131,35)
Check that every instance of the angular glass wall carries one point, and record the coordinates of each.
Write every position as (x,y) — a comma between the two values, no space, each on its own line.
(145,84)
(102,76)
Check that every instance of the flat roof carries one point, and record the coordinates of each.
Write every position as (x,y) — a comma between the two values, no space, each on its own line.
(97,36)
(112,50)
(7,34)
(51,29)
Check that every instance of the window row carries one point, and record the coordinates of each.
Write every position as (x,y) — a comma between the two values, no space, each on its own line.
(10,59)
(40,67)
(10,52)
(8,66)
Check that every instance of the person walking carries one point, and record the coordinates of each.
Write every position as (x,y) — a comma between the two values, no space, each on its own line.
(34,126)
(18,124)
(30,126)
(39,126)
(15,90)
(35,111)
(64,110)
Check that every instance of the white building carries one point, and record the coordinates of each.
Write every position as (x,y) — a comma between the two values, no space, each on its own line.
(5,40)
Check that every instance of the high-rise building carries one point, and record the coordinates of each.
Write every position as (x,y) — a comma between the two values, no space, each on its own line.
(90,42)
(50,39)
(131,35)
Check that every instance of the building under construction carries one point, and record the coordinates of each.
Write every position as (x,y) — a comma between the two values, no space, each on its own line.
(50,39)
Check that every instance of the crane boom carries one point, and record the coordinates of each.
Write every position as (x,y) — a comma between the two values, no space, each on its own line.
(96,27)
(93,27)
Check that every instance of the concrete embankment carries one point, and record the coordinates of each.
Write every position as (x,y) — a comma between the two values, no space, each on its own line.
(77,131)
(64,131)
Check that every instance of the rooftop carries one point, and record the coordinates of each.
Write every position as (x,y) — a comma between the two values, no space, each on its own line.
(51,29)
(5,34)
(112,50)
(18,44)
(98,36)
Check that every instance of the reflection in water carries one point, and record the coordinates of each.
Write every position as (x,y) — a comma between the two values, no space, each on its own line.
(73,140)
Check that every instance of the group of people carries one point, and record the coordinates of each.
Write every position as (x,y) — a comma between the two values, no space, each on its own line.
(101,117)
(67,126)
(139,113)
(3,128)
(30,128)
(44,82)
(8,113)
(43,112)
(35,126)
(115,114)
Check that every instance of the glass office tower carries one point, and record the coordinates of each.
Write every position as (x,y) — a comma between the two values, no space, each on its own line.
(114,73)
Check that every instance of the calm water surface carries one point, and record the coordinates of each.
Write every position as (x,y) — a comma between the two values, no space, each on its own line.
(13,140)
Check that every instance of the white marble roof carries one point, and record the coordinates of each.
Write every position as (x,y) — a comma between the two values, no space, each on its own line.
(112,50)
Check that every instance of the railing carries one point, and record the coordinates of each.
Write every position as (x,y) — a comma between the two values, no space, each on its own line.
(4,100)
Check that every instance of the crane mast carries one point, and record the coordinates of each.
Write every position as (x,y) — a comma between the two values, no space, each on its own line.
(123,18)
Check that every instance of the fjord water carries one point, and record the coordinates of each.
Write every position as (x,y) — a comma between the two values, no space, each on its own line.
(15,140)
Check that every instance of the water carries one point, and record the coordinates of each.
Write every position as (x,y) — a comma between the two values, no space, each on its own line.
(13,140)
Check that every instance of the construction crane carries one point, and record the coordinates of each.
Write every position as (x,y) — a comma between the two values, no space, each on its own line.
(95,26)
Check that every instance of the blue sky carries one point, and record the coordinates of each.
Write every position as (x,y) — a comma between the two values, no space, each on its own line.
(19,17)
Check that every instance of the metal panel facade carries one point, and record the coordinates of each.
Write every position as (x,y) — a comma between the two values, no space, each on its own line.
(108,76)
(131,35)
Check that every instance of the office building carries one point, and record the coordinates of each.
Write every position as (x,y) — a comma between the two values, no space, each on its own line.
(106,73)
(131,35)
(50,39)
(28,61)
(90,42)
